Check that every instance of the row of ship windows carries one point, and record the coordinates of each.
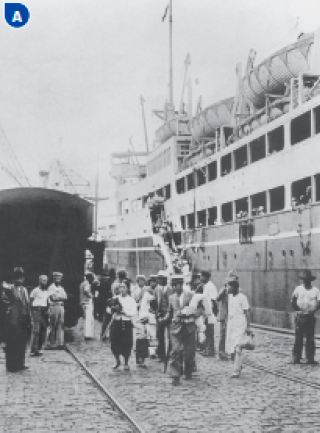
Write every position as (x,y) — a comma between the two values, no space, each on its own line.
(261,147)
(140,203)
(258,204)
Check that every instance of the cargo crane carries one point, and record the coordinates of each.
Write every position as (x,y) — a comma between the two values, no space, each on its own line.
(65,179)
(10,163)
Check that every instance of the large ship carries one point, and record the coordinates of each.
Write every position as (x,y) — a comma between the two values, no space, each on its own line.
(235,187)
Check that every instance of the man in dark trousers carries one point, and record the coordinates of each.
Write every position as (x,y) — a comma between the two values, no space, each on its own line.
(305,302)
(182,331)
(162,293)
(104,294)
(106,291)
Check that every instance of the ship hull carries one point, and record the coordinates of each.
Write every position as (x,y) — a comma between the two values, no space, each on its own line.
(282,245)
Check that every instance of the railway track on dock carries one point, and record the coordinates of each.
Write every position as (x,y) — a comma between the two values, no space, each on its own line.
(279,373)
(117,406)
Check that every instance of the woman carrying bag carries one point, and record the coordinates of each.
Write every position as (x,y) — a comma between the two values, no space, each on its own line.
(238,327)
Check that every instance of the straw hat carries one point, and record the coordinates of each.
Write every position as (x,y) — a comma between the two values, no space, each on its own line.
(306,275)
(232,277)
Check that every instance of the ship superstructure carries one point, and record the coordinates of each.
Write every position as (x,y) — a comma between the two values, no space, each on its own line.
(235,187)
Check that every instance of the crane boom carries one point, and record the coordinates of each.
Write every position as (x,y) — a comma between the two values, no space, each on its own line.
(10,163)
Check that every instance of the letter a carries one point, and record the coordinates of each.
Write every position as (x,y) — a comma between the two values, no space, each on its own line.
(17,17)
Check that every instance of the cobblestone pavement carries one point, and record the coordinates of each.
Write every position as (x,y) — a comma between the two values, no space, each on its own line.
(275,351)
(211,402)
(54,396)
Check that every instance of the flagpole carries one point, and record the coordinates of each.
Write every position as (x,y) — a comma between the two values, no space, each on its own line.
(170,54)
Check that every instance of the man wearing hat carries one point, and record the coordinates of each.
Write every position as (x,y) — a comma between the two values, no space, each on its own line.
(162,293)
(18,321)
(305,301)
(56,296)
(152,322)
(106,296)
(210,291)
(122,275)
(182,330)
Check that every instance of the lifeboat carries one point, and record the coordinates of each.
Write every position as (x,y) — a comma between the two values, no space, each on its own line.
(271,75)
(169,129)
(214,116)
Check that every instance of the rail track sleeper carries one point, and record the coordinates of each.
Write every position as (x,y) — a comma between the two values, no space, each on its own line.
(114,402)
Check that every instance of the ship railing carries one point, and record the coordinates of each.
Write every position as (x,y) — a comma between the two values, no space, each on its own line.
(246,231)
(301,89)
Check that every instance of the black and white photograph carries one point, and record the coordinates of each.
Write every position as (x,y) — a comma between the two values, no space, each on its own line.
(160,216)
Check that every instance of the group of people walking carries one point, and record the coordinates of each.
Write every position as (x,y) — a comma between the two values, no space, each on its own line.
(165,318)
(170,320)
(39,317)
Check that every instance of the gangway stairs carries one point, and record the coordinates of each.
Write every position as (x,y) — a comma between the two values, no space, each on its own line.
(158,241)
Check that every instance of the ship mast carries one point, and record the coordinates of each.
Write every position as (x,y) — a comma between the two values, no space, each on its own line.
(170,56)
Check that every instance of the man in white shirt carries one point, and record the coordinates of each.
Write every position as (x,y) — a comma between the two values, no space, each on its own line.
(305,301)
(56,296)
(210,292)
(39,308)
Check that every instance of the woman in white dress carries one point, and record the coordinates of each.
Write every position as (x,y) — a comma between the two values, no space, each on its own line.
(87,304)
(238,321)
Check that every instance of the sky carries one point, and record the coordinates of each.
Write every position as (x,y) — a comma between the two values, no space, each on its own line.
(71,79)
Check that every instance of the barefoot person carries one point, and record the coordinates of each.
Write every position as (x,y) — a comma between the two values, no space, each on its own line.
(121,333)
(238,321)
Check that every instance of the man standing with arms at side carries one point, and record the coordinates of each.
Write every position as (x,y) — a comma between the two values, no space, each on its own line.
(18,321)
(39,308)
(57,296)
(222,300)
(305,302)
(210,292)
(182,331)
(162,297)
